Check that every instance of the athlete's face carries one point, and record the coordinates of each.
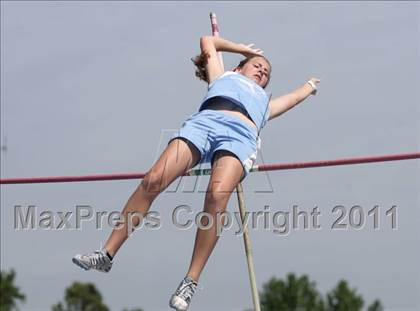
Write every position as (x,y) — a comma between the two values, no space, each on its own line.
(257,69)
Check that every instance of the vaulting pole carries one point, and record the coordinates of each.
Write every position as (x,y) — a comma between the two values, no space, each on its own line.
(241,203)
(248,248)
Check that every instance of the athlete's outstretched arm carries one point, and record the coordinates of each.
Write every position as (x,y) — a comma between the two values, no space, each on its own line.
(283,103)
(211,45)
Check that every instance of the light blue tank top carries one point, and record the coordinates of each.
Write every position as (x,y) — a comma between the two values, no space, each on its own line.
(242,91)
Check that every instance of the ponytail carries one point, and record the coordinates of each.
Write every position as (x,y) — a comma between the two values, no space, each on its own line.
(200,61)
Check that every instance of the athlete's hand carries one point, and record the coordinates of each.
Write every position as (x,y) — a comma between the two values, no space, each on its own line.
(315,82)
(249,51)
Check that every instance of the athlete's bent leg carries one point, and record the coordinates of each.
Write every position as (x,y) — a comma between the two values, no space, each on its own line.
(178,157)
(227,171)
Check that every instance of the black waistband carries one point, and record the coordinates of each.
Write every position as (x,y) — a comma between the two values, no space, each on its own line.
(233,105)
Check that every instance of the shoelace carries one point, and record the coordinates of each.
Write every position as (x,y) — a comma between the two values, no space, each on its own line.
(187,292)
(98,257)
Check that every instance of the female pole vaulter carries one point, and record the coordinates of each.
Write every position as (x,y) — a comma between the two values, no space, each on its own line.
(224,132)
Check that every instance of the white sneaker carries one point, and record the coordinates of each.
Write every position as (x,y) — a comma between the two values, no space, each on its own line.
(99,261)
(183,294)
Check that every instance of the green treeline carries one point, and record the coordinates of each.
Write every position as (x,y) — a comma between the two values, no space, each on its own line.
(291,294)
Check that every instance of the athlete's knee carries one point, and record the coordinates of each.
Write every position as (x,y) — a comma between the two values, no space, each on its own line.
(152,183)
(216,200)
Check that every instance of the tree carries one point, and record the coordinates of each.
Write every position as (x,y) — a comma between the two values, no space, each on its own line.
(134,309)
(342,298)
(81,297)
(295,293)
(376,306)
(300,294)
(9,293)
